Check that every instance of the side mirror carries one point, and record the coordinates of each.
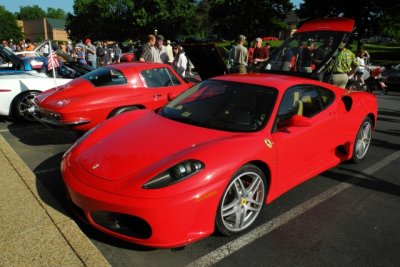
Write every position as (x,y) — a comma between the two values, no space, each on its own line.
(299,121)
(295,121)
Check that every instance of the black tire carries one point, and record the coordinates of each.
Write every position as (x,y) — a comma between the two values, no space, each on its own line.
(362,141)
(242,201)
(118,111)
(20,106)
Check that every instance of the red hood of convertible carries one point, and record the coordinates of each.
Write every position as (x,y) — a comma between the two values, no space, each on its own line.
(141,140)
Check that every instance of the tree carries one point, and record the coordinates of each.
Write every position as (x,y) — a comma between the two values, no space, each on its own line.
(368,14)
(126,19)
(30,12)
(9,28)
(55,13)
(251,18)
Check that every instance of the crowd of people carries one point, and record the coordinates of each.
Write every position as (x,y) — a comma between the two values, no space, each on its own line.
(241,58)
(103,53)
(302,58)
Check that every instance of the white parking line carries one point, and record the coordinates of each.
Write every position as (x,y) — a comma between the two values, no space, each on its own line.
(227,249)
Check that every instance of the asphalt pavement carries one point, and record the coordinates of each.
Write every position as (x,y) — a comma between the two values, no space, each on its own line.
(35,231)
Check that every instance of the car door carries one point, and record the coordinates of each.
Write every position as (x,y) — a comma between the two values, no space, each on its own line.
(302,148)
(162,85)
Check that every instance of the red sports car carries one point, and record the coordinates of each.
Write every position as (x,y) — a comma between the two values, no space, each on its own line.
(211,158)
(108,91)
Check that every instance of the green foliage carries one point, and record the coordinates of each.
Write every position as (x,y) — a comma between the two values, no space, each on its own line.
(31,12)
(372,17)
(9,28)
(55,13)
(127,19)
(251,18)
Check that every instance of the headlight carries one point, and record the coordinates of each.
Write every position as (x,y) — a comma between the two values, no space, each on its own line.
(175,174)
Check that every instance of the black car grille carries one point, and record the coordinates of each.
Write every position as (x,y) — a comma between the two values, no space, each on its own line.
(124,224)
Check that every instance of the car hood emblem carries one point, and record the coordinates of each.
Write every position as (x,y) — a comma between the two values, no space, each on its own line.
(95,166)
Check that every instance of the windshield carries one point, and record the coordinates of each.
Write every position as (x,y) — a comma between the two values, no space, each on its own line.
(306,53)
(223,105)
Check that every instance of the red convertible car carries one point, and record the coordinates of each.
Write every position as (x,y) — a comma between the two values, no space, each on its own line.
(211,158)
(108,91)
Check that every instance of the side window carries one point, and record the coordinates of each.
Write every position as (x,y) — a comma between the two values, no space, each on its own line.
(160,77)
(105,77)
(327,96)
(305,100)
(290,104)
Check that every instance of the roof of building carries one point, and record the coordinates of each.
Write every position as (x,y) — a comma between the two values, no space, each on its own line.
(56,23)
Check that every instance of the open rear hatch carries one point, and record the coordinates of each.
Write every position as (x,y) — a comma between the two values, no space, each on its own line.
(322,36)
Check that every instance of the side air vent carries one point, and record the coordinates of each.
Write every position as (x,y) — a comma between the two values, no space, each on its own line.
(348,102)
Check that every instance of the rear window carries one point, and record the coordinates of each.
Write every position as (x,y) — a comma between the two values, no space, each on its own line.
(105,77)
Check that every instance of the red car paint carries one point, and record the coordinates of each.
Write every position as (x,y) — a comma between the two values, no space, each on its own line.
(81,104)
(108,171)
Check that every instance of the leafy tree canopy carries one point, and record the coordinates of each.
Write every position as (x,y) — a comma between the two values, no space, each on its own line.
(372,17)
(9,28)
(30,12)
(251,18)
(55,13)
(128,19)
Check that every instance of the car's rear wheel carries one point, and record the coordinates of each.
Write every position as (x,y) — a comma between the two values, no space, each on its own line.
(121,110)
(362,141)
(242,201)
(21,106)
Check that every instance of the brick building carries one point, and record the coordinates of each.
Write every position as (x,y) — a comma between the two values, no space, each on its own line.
(43,29)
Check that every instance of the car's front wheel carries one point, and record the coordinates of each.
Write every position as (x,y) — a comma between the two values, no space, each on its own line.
(21,106)
(362,141)
(242,201)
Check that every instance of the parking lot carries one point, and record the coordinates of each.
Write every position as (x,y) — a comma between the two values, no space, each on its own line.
(347,216)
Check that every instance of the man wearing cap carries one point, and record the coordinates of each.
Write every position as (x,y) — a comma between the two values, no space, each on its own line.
(344,66)
(91,57)
(159,50)
(239,55)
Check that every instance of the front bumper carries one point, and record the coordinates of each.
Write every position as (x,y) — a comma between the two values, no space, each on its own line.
(162,223)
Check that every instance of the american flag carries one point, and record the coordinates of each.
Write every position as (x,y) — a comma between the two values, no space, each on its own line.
(52,61)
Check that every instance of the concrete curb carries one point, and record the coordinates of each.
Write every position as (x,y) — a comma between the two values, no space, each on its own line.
(35,233)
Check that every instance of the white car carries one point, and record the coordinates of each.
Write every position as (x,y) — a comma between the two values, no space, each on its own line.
(17,89)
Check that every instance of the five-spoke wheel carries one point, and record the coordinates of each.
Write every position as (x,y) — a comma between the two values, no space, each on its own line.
(242,200)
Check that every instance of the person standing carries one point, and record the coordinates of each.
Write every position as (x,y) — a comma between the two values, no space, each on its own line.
(29,45)
(91,53)
(251,54)
(5,45)
(239,55)
(144,52)
(170,53)
(344,66)
(261,54)
(159,50)
(117,53)
(180,62)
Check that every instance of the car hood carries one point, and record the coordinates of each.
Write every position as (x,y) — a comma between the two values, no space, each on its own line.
(138,148)
(206,58)
(210,60)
